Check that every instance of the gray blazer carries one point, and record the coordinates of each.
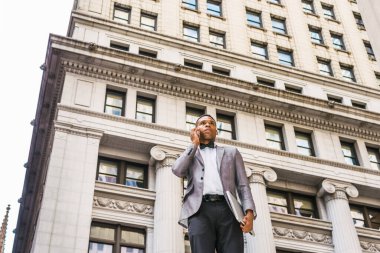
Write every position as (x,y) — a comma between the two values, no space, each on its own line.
(231,170)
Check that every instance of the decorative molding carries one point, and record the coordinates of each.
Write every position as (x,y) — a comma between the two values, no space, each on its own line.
(260,174)
(124,206)
(302,235)
(333,189)
(164,156)
(219,140)
(77,130)
(225,101)
(370,246)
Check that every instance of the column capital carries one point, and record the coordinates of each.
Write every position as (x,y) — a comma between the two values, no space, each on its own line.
(334,189)
(260,174)
(164,156)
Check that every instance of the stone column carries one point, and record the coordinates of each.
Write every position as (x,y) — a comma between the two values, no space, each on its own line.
(263,241)
(168,235)
(344,234)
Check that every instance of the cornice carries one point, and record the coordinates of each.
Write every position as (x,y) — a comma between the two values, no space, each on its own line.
(225,54)
(220,140)
(221,100)
(124,191)
(76,130)
(293,220)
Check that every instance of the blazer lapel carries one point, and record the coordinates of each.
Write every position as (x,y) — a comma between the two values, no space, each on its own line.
(198,156)
(219,156)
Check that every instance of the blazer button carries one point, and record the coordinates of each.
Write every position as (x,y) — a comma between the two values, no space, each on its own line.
(201,178)
(203,169)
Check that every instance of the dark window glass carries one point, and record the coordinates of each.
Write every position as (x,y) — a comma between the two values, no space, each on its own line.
(359,21)
(304,144)
(334,99)
(266,82)
(147,53)
(148,21)
(285,57)
(374,157)
(259,50)
(304,206)
(316,35)
(214,8)
(358,104)
(348,73)
(277,201)
(349,153)
(217,40)
(275,1)
(328,12)
(226,126)
(190,4)
(337,41)
(274,137)
(108,171)
(308,6)
(293,89)
(145,109)
(278,25)
(193,64)
(364,216)
(114,103)
(220,71)
(324,68)
(369,50)
(254,19)
(192,114)
(191,33)
(121,14)
(119,46)
(135,176)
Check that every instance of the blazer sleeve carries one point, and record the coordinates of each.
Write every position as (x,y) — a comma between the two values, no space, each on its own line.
(242,183)
(181,165)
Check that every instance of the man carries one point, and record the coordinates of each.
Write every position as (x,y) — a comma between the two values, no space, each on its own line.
(211,171)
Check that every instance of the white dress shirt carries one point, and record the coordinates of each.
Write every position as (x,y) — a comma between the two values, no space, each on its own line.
(212,184)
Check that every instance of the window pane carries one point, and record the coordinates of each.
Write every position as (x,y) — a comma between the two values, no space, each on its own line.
(357,216)
(224,134)
(259,50)
(278,26)
(96,247)
(145,106)
(277,202)
(135,172)
(217,40)
(304,206)
(108,167)
(107,178)
(148,22)
(144,117)
(254,19)
(213,8)
(104,233)
(191,4)
(113,110)
(191,33)
(273,134)
(133,237)
(374,216)
(122,14)
(114,99)
(374,158)
(131,250)
(285,58)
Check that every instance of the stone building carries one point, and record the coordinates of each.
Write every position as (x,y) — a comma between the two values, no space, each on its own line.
(293,84)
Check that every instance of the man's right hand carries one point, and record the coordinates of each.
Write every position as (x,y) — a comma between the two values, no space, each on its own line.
(194,136)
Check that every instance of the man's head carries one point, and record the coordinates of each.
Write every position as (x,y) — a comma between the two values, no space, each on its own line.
(206,125)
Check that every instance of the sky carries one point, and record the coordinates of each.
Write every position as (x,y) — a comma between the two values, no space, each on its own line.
(24,31)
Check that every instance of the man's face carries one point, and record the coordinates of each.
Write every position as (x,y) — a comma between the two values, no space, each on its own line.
(207,129)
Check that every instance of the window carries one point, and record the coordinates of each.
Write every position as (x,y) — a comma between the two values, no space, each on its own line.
(377,75)
(308,6)
(192,114)
(348,73)
(147,52)
(349,153)
(122,172)
(294,89)
(107,238)
(121,13)
(193,64)
(290,203)
(220,71)
(266,82)
(325,67)
(217,40)
(226,126)
(148,21)
(273,135)
(316,35)
(337,41)
(275,1)
(214,8)
(364,216)
(145,109)
(358,104)
(119,46)
(368,48)
(191,33)
(304,143)
(259,50)
(254,19)
(335,99)
(190,4)
(374,157)
(278,25)
(114,103)
(328,11)
(359,21)
(285,57)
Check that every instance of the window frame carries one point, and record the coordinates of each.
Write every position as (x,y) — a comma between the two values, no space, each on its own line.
(212,12)
(328,8)
(289,53)
(310,3)
(338,37)
(253,22)
(153,101)
(365,211)
(349,69)
(354,156)
(376,152)
(122,8)
(293,88)
(115,92)
(193,28)
(309,140)
(327,63)
(279,30)
(191,6)
(230,118)
(152,17)
(220,35)
(369,50)
(199,111)
(316,31)
(279,129)
(262,46)
(359,20)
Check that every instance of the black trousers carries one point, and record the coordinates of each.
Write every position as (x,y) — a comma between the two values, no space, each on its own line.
(214,227)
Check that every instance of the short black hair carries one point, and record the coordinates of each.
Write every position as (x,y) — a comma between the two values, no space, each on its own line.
(204,115)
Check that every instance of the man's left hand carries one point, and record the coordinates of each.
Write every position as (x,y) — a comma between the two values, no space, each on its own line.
(248,222)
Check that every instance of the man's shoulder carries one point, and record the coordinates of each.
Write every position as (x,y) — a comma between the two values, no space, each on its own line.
(228,148)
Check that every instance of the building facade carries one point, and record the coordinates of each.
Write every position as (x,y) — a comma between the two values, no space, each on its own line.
(294,85)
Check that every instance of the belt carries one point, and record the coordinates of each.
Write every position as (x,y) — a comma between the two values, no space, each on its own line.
(213,198)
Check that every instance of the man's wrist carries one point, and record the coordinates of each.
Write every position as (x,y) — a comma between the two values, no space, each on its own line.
(250,213)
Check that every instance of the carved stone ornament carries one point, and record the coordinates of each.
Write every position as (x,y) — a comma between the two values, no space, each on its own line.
(157,153)
(338,190)
(124,206)
(370,246)
(258,173)
(302,235)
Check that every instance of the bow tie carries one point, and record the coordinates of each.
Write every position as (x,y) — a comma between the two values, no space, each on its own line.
(209,145)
